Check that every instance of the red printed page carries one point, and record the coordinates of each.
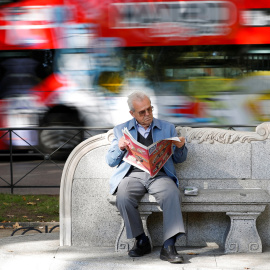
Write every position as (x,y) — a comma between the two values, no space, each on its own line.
(137,161)
(159,154)
(149,159)
(137,155)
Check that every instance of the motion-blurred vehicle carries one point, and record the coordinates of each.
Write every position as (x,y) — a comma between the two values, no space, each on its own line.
(68,63)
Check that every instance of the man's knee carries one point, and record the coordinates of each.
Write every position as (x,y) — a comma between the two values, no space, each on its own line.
(170,196)
(125,200)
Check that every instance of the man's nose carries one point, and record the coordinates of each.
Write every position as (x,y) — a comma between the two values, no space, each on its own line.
(147,112)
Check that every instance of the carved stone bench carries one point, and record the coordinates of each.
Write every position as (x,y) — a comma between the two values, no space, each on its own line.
(243,206)
(230,169)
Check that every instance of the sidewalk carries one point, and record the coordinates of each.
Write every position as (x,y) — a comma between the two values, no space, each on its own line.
(42,252)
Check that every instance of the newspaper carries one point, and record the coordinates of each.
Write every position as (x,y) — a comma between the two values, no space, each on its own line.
(149,159)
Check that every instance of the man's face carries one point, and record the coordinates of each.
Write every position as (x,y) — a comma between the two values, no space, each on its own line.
(143,112)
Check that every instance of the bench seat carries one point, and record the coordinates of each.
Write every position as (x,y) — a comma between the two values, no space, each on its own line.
(243,206)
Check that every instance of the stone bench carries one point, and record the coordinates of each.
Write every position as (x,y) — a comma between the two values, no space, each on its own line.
(243,206)
(230,168)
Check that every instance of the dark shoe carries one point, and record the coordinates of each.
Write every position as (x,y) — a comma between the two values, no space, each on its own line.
(140,248)
(170,254)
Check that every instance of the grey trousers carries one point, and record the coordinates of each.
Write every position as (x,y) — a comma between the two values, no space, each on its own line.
(130,191)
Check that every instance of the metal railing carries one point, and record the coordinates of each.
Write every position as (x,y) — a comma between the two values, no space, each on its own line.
(34,151)
(31,228)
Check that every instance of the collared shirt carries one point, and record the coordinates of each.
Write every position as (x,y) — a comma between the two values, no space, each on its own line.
(144,132)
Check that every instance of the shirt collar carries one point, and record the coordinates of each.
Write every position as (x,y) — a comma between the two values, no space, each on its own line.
(139,125)
(155,123)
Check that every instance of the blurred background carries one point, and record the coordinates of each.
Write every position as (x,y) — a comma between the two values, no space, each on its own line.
(73,63)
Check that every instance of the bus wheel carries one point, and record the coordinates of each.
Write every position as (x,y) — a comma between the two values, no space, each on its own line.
(60,134)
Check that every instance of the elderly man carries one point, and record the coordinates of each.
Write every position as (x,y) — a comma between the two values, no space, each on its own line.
(130,183)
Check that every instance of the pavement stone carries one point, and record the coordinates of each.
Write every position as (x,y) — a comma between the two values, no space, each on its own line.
(42,252)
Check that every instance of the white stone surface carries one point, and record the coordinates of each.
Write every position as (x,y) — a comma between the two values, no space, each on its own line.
(216,161)
(42,252)
(261,160)
(94,220)
(94,165)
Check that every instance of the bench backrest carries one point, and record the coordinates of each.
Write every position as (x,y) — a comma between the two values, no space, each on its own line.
(218,158)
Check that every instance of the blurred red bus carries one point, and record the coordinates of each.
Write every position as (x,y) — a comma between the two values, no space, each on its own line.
(72,63)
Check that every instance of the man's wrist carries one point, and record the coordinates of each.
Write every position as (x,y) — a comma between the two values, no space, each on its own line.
(182,147)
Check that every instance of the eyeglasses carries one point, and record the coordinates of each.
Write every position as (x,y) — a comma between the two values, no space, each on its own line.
(149,110)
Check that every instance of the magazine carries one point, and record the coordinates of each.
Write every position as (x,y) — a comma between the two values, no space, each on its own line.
(149,159)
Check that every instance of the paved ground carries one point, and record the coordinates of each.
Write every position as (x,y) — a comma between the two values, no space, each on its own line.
(5,232)
(42,252)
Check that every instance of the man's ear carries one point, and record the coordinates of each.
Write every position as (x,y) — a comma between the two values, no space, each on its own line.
(132,113)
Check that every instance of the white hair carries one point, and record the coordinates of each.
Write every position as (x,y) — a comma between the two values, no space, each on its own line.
(137,95)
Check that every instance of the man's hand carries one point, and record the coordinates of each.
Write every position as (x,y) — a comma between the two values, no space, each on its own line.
(123,143)
(179,144)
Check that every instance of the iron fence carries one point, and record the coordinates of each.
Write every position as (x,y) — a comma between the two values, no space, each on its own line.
(31,228)
(73,135)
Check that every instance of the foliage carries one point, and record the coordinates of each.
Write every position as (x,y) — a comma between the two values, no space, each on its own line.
(210,86)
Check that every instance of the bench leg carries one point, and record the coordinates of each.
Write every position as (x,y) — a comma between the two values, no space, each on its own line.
(243,236)
(123,244)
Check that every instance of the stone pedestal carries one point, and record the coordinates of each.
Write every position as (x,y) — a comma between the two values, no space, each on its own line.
(123,244)
(243,236)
